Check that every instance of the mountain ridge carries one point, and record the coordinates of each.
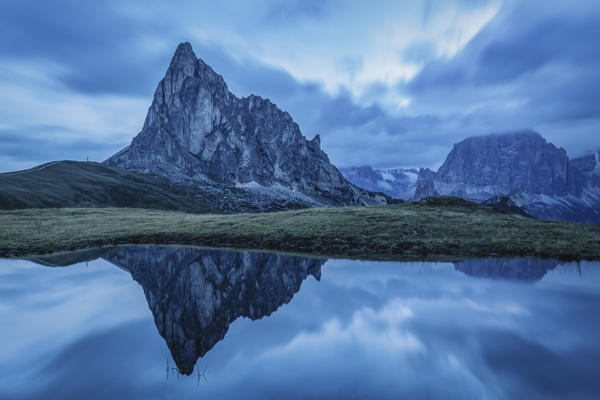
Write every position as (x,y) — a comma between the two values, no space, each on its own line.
(398,183)
(490,169)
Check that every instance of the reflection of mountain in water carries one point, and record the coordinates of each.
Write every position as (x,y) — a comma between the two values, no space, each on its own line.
(194,294)
(526,269)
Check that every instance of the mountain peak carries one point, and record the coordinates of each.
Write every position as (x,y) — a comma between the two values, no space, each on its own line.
(196,129)
(184,60)
(184,47)
(183,52)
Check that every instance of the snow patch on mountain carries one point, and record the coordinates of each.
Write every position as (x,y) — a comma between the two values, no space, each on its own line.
(398,183)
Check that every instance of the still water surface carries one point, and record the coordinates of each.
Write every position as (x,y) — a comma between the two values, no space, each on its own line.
(175,323)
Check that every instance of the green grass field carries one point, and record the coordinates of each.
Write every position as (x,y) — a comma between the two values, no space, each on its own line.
(437,229)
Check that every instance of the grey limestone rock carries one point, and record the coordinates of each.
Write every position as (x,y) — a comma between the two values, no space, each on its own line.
(490,168)
(425,186)
(487,165)
(196,129)
(589,166)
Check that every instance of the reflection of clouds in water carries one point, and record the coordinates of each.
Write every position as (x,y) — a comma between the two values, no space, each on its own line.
(375,352)
(380,330)
(385,330)
(409,339)
(50,308)
(585,274)
(498,307)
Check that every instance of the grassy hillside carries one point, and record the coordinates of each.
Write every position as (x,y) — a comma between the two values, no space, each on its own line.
(89,184)
(436,229)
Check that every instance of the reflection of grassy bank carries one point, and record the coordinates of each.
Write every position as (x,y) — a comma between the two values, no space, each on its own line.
(451,229)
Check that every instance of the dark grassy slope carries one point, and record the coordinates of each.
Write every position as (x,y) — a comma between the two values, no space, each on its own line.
(452,229)
(89,184)
(79,184)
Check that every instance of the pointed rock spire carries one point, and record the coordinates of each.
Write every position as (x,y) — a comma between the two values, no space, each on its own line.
(197,129)
(317,140)
(183,60)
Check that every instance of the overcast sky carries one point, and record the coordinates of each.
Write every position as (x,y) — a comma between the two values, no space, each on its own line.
(385,83)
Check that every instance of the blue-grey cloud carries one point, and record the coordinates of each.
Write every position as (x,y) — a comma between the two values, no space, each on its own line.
(531,67)
(419,52)
(534,65)
(284,12)
(519,45)
(97,45)
(40,143)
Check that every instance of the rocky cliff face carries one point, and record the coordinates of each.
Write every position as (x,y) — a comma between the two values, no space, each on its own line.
(195,294)
(425,184)
(197,129)
(589,166)
(398,183)
(480,168)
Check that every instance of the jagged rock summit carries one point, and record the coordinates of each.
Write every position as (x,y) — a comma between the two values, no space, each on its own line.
(196,129)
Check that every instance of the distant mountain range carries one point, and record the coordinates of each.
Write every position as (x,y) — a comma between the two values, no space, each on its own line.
(399,183)
(517,170)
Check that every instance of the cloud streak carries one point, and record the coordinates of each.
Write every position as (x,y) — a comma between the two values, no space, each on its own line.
(392,85)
